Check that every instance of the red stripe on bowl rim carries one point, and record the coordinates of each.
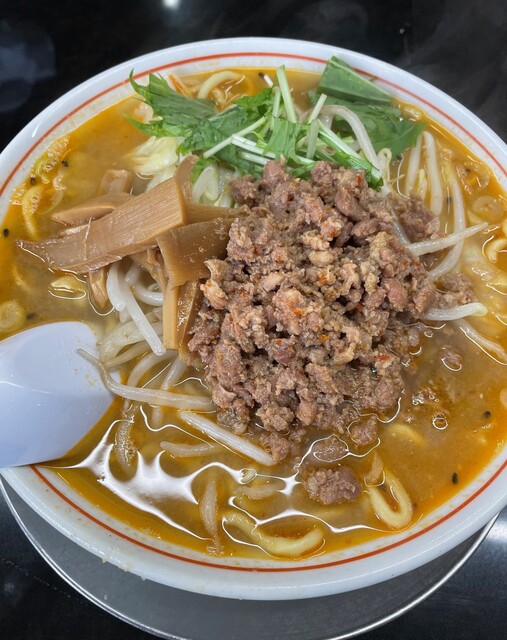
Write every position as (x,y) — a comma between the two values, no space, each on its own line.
(324,565)
(204,563)
(219,56)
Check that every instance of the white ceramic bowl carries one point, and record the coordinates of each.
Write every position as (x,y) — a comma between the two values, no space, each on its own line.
(131,550)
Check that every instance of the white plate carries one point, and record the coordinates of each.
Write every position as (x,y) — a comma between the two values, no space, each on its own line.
(168,613)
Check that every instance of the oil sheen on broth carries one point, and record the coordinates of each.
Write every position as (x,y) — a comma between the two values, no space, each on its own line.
(448,425)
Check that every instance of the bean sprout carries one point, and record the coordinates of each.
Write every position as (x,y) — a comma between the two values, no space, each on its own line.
(455,313)
(436,192)
(226,437)
(151,396)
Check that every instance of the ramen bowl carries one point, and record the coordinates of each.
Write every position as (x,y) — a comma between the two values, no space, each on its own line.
(352,568)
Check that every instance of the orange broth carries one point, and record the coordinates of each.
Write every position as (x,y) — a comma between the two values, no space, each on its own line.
(448,427)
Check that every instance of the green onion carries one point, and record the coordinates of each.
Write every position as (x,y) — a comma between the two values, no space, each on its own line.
(287,98)
(253,158)
(228,141)
(335,141)
(316,109)
(312,139)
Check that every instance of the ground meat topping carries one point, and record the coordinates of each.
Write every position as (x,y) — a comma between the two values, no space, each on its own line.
(307,320)
(329,486)
(418,221)
(364,433)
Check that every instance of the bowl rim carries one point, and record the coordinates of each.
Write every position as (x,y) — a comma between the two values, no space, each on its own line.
(34,485)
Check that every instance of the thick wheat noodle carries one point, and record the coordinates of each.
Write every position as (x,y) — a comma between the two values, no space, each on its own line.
(422,184)
(275,545)
(142,293)
(408,432)
(258,492)
(208,510)
(393,519)
(374,474)
(214,81)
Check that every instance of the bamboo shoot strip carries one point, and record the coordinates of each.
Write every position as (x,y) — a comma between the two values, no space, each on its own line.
(189,304)
(91,209)
(130,228)
(186,249)
(170,317)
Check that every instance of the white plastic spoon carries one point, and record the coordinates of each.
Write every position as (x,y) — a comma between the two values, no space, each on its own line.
(50,396)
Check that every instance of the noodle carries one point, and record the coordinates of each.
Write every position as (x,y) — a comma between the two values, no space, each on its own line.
(275,545)
(394,519)
(12,316)
(148,296)
(258,492)
(215,80)
(208,508)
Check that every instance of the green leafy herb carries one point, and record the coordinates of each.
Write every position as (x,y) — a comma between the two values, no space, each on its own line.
(382,119)
(284,138)
(342,154)
(385,125)
(340,80)
(253,130)
(177,115)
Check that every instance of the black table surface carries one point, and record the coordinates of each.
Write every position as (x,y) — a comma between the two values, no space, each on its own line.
(47,48)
